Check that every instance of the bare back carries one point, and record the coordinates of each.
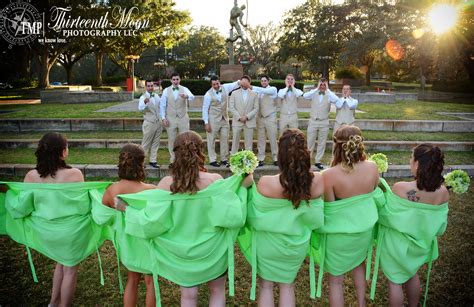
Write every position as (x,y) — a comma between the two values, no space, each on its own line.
(63,175)
(124,186)
(340,184)
(408,190)
(270,186)
(205,179)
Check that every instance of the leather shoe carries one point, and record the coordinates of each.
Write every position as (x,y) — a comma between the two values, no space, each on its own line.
(275,163)
(225,163)
(154,165)
(319,166)
(261,163)
(215,164)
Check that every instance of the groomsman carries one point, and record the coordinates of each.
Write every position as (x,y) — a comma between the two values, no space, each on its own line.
(216,119)
(149,104)
(243,105)
(266,119)
(345,108)
(318,125)
(289,104)
(174,110)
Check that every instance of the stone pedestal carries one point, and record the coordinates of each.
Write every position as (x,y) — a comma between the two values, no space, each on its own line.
(231,72)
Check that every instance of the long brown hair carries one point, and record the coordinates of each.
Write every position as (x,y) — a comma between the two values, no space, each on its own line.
(348,147)
(131,163)
(189,160)
(49,154)
(430,167)
(295,163)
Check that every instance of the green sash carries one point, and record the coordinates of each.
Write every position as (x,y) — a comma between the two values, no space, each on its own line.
(54,219)
(187,239)
(406,238)
(276,237)
(345,240)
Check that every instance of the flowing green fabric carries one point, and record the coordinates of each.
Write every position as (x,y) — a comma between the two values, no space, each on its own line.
(276,237)
(54,219)
(187,239)
(407,238)
(345,240)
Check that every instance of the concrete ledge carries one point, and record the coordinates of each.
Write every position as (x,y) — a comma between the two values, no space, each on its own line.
(65,96)
(119,143)
(110,171)
(134,124)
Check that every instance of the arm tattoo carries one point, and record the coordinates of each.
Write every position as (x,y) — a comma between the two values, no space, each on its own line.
(411,195)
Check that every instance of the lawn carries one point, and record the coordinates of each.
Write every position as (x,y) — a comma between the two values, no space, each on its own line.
(404,110)
(110,156)
(451,282)
(368,135)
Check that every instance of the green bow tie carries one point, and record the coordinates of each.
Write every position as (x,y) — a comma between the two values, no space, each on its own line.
(175,88)
(290,89)
(219,91)
(322,93)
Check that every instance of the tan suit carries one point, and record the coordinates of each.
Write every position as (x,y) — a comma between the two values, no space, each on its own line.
(177,115)
(219,122)
(289,112)
(151,127)
(267,120)
(345,115)
(318,125)
(240,107)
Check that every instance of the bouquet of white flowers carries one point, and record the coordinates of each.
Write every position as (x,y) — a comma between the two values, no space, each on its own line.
(381,160)
(458,181)
(243,162)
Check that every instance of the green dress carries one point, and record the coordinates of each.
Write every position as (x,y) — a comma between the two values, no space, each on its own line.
(54,219)
(187,239)
(276,237)
(345,240)
(407,238)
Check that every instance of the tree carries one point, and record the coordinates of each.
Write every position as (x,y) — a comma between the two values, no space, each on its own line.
(72,55)
(199,53)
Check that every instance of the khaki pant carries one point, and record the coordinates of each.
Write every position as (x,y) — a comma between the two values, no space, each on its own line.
(151,138)
(221,129)
(176,125)
(288,121)
(319,129)
(248,138)
(269,124)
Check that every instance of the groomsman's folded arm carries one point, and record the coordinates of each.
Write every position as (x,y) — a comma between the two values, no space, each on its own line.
(254,111)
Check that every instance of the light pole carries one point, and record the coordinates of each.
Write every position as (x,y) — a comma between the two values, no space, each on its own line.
(296,66)
(325,61)
(132,59)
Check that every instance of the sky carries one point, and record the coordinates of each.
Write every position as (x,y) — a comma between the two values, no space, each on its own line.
(216,13)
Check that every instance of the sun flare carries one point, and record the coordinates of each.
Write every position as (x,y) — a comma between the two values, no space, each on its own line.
(443,17)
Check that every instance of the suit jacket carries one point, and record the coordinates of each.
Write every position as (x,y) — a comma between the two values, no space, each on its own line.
(238,107)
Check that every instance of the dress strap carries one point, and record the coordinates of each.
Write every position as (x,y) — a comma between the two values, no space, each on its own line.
(117,254)
(312,275)
(378,250)
(32,265)
(157,290)
(321,264)
(253,290)
(434,245)
(369,256)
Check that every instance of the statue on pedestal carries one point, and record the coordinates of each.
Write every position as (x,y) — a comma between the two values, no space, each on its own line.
(236,20)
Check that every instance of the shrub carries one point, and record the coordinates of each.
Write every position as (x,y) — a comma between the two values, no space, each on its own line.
(350,72)
(453,86)
(24,82)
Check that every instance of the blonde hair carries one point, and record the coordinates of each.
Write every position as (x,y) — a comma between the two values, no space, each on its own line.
(348,148)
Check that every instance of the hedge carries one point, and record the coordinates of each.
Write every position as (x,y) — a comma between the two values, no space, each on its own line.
(464,86)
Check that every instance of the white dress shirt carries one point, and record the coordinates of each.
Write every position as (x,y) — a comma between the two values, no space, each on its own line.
(164,99)
(228,87)
(284,91)
(269,90)
(332,97)
(351,102)
(154,99)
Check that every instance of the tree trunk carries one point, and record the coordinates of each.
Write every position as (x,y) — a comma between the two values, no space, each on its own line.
(68,69)
(367,75)
(44,68)
(99,63)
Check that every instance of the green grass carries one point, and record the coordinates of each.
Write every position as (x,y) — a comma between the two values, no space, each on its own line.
(450,283)
(405,110)
(110,156)
(368,135)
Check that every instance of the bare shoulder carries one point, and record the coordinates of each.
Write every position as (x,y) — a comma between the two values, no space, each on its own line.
(74,175)
(216,176)
(32,176)
(400,188)
(267,185)
(444,194)
(317,186)
(165,183)
(149,186)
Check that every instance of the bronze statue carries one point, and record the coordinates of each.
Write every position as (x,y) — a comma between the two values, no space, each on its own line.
(236,20)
